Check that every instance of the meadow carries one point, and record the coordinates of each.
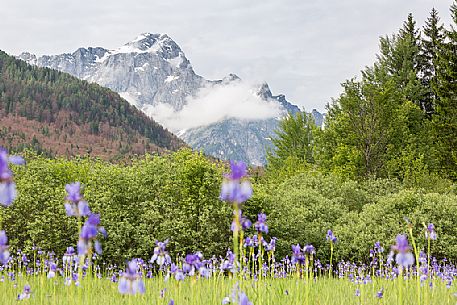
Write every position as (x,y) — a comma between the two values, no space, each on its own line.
(251,271)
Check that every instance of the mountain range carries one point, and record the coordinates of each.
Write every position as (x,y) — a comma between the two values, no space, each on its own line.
(226,118)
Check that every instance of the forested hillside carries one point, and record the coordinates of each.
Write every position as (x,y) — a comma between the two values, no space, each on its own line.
(58,114)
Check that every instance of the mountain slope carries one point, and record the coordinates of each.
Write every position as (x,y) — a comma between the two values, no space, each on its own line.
(153,73)
(62,115)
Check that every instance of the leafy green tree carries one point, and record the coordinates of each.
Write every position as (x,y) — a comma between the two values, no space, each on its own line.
(359,126)
(294,141)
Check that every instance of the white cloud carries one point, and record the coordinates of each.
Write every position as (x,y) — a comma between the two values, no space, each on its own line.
(213,104)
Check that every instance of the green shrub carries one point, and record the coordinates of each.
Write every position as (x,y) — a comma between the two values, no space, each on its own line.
(173,197)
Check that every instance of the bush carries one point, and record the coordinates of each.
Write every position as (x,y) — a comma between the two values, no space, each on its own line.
(300,214)
(386,218)
(173,197)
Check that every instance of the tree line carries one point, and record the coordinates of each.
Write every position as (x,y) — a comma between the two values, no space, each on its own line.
(398,120)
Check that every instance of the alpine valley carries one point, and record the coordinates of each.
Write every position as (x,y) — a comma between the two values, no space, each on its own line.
(152,73)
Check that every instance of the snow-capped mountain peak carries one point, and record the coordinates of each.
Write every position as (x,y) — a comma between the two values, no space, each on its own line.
(234,120)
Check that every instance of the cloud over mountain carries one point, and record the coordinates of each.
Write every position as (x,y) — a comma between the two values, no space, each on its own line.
(214,103)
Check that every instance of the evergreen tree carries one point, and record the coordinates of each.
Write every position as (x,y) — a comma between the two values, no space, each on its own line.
(431,42)
(400,55)
(445,117)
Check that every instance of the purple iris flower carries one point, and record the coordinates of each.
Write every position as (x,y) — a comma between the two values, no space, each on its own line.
(331,237)
(380,293)
(191,263)
(238,297)
(89,233)
(378,248)
(243,299)
(404,256)
(430,232)
(75,206)
(4,253)
(52,270)
(234,189)
(270,247)
(228,262)
(248,242)
(160,254)
(8,190)
(297,255)
(68,255)
(309,249)
(238,170)
(245,222)
(260,225)
(131,281)
(179,275)
(25,293)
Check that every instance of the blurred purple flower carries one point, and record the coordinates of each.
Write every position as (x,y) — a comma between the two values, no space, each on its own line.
(236,191)
(378,248)
(245,222)
(260,224)
(179,275)
(192,262)
(239,297)
(380,293)
(271,246)
(75,205)
(160,255)
(233,188)
(430,232)
(8,190)
(4,253)
(297,255)
(331,237)
(309,249)
(131,281)
(238,170)
(68,256)
(404,256)
(89,233)
(25,293)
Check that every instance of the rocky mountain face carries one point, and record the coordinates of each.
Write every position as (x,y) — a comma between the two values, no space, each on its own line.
(152,71)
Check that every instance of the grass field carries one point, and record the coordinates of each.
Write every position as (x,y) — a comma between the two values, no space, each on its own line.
(215,289)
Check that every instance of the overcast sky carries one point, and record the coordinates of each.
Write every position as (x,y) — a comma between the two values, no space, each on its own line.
(302,48)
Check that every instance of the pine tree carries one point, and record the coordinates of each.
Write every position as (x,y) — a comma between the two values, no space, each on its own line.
(445,87)
(400,56)
(431,42)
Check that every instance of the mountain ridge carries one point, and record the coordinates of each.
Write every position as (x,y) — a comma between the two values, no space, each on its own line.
(153,73)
